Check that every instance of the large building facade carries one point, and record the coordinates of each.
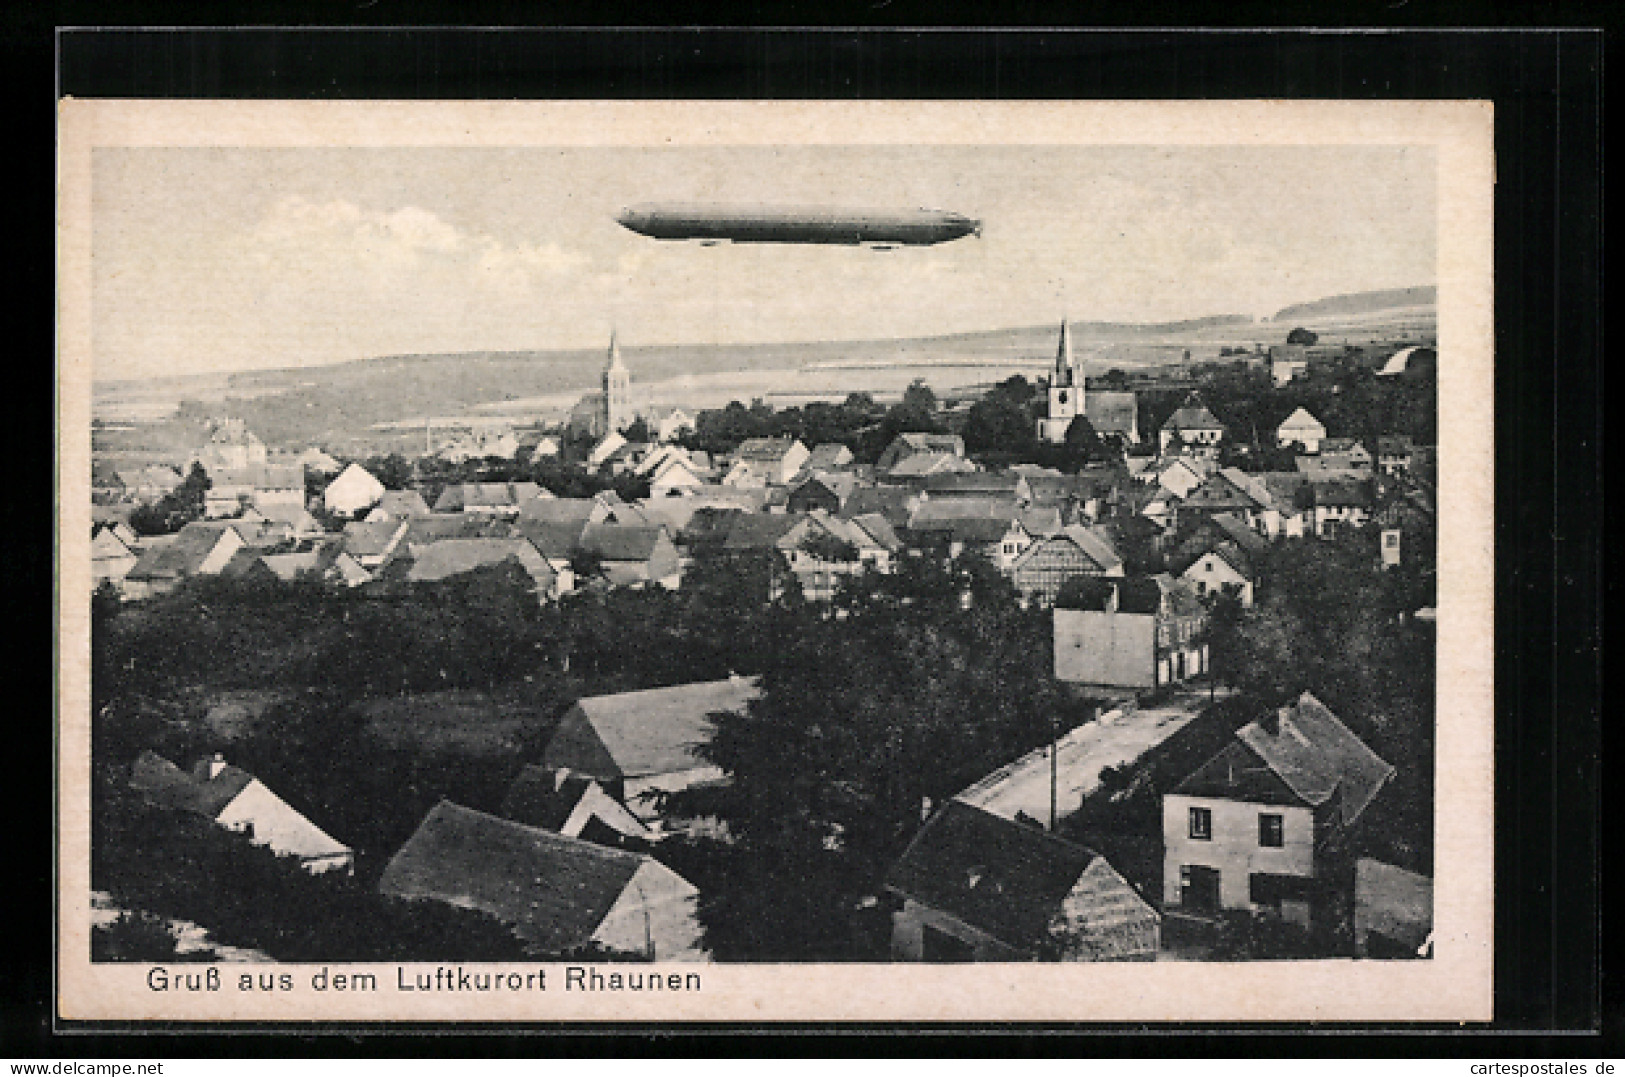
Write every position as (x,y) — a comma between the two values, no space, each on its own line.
(1113,414)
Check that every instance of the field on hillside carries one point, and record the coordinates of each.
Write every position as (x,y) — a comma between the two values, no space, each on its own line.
(381,404)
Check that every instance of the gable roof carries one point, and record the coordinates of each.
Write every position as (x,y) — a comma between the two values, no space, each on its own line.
(402,503)
(462,496)
(765,450)
(1110,412)
(879,530)
(1317,757)
(1220,491)
(546,798)
(622,542)
(576,510)
(1342,491)
(1192,415)
(423,530)
(828,456)
(760,530)
(656,731)
(921,464)
(892,502)
(1002,877)
(1301,420)
(363,539)
(967,519)
(924,442)
(1394,445)
(453,557)
(165,783)
(552,890)
(1095,542)
(183,554)
(839,483)
(989,483)
(556,541)
(260,477)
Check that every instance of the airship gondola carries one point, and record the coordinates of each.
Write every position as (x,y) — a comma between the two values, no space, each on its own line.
(712,224)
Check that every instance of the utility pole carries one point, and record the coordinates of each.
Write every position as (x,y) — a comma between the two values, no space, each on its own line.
(1053,777)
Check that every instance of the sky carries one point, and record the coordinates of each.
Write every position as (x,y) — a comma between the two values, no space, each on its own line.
(214,260)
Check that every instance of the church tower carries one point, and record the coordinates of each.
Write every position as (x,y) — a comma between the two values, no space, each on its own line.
(617,414)
(1065,393)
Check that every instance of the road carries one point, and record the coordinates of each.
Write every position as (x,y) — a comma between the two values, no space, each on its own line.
(1117,738)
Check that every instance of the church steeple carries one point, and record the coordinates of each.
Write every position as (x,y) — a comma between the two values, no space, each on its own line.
(1065,392)
(1063,358)
(617,408)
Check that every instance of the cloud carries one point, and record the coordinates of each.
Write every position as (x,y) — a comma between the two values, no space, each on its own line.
(340,239)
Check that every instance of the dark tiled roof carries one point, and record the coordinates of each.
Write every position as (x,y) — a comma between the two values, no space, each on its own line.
(892,502)
(552,890)
(261,477)
(1238,773)
(453,557)
(1342,492)
(574,510)
(828,456)
(402,503)
(656,731)
(544,798)
(621,542)
(182,555)
(991,483)
(1110,413)
(165,783)
(369,539)
(999,876)
(764,450)
(760,531)
(1193,417)
(1318,756)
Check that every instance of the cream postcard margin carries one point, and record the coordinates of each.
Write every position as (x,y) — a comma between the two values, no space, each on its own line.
(1454,986)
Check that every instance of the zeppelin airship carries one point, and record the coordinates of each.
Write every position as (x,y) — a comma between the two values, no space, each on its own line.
(711,224)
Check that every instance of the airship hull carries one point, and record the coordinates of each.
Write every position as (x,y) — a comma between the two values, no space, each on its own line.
(714,224)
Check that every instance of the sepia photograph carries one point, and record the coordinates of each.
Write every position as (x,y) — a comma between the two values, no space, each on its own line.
(737,561)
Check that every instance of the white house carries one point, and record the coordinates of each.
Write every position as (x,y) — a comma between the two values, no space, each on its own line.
(354,491)
(237,800)
(676,475)
(607,446)
(1303,428)
(1252,828)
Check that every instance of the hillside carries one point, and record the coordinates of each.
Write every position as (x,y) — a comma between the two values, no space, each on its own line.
(347,404)
(1357,303)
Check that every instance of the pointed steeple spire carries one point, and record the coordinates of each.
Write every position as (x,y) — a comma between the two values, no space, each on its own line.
(1063,357)
(615,353)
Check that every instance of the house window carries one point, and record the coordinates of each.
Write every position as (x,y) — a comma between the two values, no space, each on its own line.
(1201,824)
(1270,831)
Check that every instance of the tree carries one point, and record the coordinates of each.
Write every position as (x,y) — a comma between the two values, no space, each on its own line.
(637,431)
(1083,593)
(1001,423)
(177,508)
(1081,443)
(394,471)
(919,397)
(1302,336)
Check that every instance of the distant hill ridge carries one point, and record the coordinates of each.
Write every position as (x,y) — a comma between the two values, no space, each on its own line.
(1361,303)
